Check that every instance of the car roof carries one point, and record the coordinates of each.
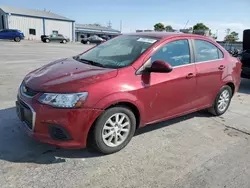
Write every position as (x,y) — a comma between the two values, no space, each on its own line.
(162,35)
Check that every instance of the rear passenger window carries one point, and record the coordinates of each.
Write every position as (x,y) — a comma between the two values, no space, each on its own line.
(206,51)
(175,53)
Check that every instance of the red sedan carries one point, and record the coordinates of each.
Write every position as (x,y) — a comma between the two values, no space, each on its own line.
(132,80)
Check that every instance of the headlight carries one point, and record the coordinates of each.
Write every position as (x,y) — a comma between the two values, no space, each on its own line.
(71,100)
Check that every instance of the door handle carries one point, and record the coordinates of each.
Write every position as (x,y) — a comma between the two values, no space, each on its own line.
(221,67)
(190,75)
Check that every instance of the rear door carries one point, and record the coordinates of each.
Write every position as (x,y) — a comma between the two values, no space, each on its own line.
(53,38)
(211,69)
(60,38)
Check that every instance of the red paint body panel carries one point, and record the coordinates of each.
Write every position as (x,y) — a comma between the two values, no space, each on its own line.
(157,96)
(75,121)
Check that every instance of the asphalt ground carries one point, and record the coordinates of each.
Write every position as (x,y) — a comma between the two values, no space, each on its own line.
(193,151)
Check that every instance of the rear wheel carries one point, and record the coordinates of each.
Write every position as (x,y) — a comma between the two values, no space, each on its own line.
(17,39)
(88,42)
(114,129)
(222,101)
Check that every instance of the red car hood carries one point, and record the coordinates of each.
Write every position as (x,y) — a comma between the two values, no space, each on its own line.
(66,75)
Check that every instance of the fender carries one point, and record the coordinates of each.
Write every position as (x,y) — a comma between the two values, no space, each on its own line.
(120,97)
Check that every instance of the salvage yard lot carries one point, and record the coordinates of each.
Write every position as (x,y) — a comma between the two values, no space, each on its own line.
(196,150)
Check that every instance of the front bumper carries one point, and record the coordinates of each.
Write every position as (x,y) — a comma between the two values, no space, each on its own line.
(66,128)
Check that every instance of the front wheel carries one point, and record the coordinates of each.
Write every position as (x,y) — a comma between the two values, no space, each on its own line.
(88,42)
(64,41)
(47,40)
(114,129)
(222,101)
(17,39)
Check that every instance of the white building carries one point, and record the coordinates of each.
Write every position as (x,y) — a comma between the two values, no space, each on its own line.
(34,23)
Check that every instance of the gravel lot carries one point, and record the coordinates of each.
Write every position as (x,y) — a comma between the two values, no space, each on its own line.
(196,150)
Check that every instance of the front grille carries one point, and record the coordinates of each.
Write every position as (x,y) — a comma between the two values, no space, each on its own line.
(58,133)
(27,114)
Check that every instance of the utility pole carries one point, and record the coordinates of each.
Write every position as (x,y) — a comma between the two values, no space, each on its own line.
(109,24)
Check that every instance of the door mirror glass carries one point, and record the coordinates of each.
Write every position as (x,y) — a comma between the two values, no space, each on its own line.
(159,66)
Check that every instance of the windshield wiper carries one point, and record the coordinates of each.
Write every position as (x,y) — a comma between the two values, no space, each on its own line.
(91,62)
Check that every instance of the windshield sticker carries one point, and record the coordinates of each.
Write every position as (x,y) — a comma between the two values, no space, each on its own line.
(147,40)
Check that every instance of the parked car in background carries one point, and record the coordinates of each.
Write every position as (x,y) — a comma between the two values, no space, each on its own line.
(104,94)
(245,59)
(93,40)
(54,38)
(11,34)
(245,55)
(105,37)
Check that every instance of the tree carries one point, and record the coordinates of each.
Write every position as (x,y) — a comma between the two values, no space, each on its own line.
(214,36)
(231,36)
(169,28)
(188,30)
(201,29)
(159,27)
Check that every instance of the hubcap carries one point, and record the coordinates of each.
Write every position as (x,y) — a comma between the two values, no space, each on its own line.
(116,130)
(223,101)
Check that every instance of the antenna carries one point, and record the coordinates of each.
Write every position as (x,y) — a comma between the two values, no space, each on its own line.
(186,24)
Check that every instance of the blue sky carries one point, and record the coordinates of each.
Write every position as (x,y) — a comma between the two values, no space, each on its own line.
(143,14)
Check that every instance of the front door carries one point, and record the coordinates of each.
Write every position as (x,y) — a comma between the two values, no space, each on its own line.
(1,34)
(211,69)
(53,38)
(4,34)
(166,95)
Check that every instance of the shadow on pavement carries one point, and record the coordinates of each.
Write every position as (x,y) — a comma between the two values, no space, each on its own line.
(155,126)
(245,86)
(17,147)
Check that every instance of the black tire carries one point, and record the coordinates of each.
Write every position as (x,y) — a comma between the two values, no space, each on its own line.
(17,39)
(64,41)
(97,134)
(214,110)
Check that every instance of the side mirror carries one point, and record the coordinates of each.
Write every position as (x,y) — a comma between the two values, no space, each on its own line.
(160,66)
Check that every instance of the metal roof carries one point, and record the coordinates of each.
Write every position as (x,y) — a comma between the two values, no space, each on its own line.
(33,13)
(94,27)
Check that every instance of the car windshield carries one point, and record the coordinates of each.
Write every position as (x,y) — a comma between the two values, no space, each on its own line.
(118,52)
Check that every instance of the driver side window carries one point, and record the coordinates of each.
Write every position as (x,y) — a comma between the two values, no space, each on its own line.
(176,53)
